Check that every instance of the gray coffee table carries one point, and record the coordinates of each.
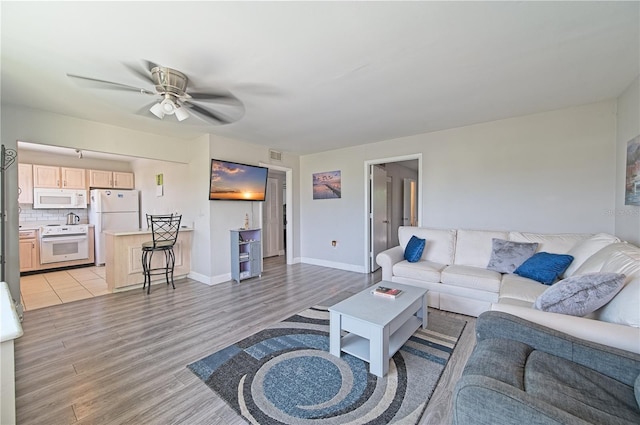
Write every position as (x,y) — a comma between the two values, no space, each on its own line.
(377,326)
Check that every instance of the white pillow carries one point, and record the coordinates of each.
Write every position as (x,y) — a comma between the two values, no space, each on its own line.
(586,248)
(624,308)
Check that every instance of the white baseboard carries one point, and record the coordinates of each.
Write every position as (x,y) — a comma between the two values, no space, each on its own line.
(210,280)
(333,265)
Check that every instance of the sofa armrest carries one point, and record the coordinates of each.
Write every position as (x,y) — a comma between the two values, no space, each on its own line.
(481,400)
(611,334)
(621,365)
(386,260)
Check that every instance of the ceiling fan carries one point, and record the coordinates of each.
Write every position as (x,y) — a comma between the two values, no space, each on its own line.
(175,99)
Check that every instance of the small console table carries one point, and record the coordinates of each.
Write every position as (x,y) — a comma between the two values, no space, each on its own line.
(246,254)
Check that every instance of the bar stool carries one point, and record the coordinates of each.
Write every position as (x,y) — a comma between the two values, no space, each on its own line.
(164,230)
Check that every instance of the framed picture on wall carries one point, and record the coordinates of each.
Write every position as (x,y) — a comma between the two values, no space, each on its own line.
(632,187)
(327,185)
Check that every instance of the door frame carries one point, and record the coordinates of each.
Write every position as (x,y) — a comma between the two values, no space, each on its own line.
(367,199)
(289,212)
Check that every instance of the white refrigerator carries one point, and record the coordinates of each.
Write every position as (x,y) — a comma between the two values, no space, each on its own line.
(112,209)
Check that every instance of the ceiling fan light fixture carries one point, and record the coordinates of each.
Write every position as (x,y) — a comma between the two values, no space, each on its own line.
(181,114)
(168,106)
(157,110)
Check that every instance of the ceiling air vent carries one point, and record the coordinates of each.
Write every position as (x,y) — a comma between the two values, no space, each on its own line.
(275,155)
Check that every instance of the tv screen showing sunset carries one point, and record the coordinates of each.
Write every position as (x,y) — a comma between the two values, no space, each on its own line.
(237,182)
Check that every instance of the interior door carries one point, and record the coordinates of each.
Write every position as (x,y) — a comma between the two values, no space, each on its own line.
(379,221)
(410,203)
(272,218)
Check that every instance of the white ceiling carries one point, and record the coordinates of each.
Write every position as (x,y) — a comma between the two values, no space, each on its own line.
(315,76)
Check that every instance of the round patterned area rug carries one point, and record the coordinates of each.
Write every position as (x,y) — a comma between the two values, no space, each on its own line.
(285,374)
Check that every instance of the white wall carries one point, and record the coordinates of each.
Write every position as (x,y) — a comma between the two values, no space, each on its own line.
(627,217)
(35,126)
(548,172)
(227,215)
(45,158)
(29,125)
(186,184)
(185,192)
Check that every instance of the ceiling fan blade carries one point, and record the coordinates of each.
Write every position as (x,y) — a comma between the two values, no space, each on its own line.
(213,97)
(207,114)
(146,110)
(103,84)
(150,65)
(140,73)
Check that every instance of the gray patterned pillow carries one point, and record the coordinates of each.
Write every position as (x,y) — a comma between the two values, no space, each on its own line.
(580,295)
(506,256)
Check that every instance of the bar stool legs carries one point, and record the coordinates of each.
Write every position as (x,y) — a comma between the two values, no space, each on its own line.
(170,262)
(164,229)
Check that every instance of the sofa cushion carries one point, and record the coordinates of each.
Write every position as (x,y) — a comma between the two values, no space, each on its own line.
(474,247)
(583,392)
(413,251)
(506,256)
(500,359)
(580,295)
(472,277)
(559,243)
(439,245)
(623,308)
(521,288)
(624,256)
(586,248)
(421,270)
(544,267)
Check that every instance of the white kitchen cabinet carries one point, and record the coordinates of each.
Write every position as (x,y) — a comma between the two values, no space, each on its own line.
(25,184)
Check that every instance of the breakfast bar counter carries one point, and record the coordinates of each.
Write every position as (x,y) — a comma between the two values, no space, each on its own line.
(123,265)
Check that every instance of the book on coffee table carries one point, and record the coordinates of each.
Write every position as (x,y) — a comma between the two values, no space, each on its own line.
(384,291)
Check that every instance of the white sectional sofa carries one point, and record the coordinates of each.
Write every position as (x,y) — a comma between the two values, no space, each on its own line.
(453,267)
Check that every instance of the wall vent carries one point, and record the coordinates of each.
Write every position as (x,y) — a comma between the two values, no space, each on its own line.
(275,155)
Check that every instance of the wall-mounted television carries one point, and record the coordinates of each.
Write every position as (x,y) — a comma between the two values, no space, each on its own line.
(232,181)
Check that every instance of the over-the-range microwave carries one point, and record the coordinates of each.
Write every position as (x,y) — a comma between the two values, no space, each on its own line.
(59,198)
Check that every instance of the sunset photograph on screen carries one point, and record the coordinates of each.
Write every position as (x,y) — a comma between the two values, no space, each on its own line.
(237,182)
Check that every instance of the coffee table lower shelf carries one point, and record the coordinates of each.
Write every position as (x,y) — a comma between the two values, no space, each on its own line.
(359,347)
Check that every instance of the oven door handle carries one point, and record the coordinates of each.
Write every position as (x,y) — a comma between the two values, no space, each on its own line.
(66,238)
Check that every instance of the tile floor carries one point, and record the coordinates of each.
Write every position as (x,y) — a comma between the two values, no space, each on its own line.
(62,286)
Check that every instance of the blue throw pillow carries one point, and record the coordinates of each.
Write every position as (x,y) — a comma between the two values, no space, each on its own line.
(544,267)
(413,251)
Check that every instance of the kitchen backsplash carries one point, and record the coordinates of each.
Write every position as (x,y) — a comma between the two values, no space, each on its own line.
(27,213)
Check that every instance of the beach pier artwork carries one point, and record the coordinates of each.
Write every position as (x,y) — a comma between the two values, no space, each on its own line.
(327,185)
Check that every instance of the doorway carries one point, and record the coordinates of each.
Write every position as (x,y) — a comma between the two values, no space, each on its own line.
(276,213)
(393,199)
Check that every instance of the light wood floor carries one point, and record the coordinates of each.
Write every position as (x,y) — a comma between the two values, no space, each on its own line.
(120,358)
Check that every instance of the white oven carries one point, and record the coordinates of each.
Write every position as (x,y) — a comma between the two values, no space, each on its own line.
(60,243)
(59,198)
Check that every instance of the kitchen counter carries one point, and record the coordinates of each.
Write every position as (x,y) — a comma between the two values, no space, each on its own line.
(10,329)
(36,225)
(123,265)
(139,231)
